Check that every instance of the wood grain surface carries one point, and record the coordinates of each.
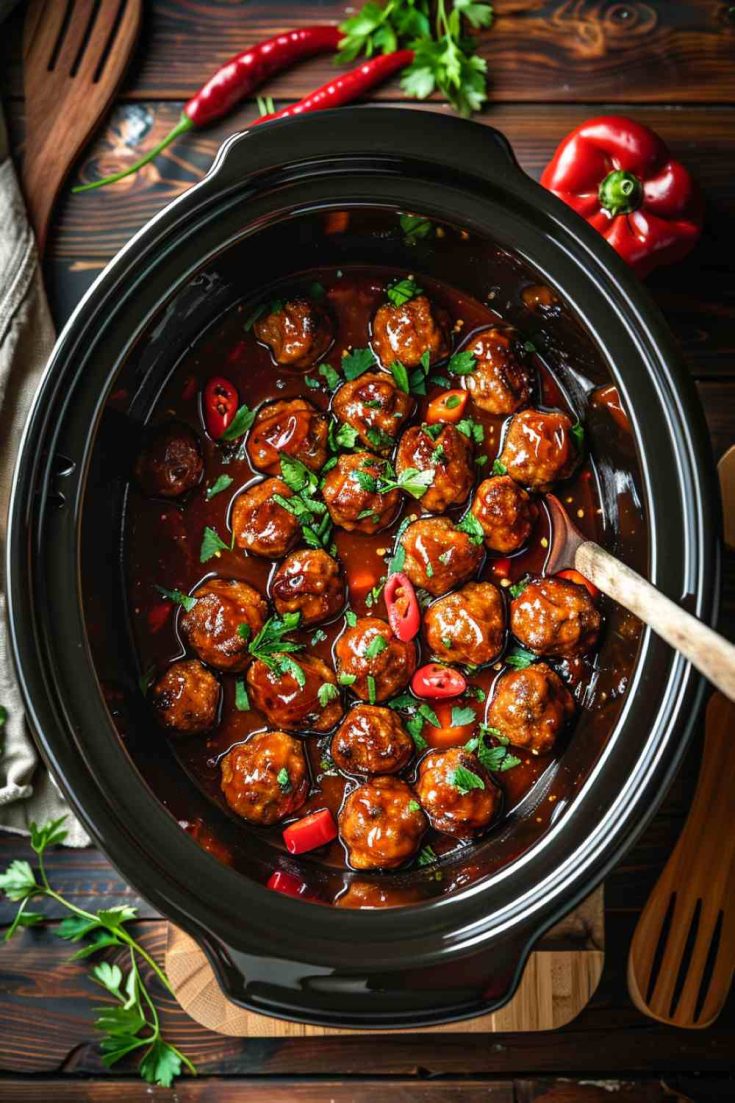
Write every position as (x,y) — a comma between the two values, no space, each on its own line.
(552,63)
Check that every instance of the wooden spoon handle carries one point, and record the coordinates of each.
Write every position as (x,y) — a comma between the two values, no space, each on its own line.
(712,655)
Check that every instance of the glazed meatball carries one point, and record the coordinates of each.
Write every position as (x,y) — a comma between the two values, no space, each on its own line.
(212,627)
(439,556)
(261,525)
(409,331)
(506,512)
(286,703)
(361,893)
(309,582)
(555,617)
(380,669)
(371,740)
(538,448)
(375,407)
(530,707)
(292,428)
(186,697)
(454,802)
(265,779)
(500,382)
(297,332)
(381,824)
(447,454)
(467,626)
(170,462)
(351,492)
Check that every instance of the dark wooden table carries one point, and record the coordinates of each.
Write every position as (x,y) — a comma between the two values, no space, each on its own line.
(552,63)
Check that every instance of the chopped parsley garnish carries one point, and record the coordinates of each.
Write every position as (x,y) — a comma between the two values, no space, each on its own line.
(317,291)
(283,779)
(414,228)
(426,857)
(371,688)
(402,701)
(429,569)
(433,432)
(577,434)
(327,692)
(326,764)
(447,643)
(465,780)
(319,637)
(472,429)
(296,475)
(400,374)
(499,468)
(373,597)
(212,545)
(244,630)
(477,692)
(345,436)
(274,650)
(518,587)
(331,377)
(417,378)
(496,759)
(411,480)
(240,424)
(414,727)
(528,346)
(312,516)
(242,701)
(221,483)
(439,455)
(345,679)
(480,460)
(356,362)
(376,646)
(520,658)
(445,557)
(414,806)
(462,363)
(472,527)
(312,382)
(402,291)
(178,598)
(428,714)
(351,618)
(378,438)
(452,402)
(461,716)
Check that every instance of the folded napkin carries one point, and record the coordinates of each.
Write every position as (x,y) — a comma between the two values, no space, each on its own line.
(27,792)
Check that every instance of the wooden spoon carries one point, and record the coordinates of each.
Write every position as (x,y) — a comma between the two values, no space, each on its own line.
(712,655)
(74,56)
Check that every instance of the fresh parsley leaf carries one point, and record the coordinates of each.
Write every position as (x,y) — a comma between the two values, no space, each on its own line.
(462,363)
(520,658)
(50,834)
(242,701)
(426,857)
(472,527)
(319,636)
(496,759)
(379,439)
(402,291)
(577,434)
(212,545)
(221,483)
(499,468)
(317,291)
(331,377)
(414,806)
(373,596)
(472,429)
(400,374)
(427,713)
(351,618)
(462,715)
(356,362)
(161,1064)
(372,690)
(178,598)
(327,692)
(18,882)
(346,679)
(283,779)
(376,646)
(477,692)
(240,424)
(466,780)
(272,647)
(415,727)
(414,227)
(296,475)
(312,382)
(452,402)
(518,587)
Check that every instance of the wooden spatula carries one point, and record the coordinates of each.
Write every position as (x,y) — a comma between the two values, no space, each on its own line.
(682,956)
(74,56)
(712,655)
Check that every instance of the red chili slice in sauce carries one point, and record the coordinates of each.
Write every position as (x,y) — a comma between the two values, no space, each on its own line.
(316,829)
(449,407)
(404,612)
(579,579)
(501,567)
(219,405)
(437,682)
(287,884)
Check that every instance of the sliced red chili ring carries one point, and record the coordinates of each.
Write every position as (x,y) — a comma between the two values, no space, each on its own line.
(287,884)
(574,576)
(501,567)
(316,829)
(404,612)
(219,405)
(449,407)
(436,682)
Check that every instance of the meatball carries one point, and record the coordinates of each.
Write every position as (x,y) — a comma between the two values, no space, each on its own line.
(454,801)
(297,332)
(186,697)
(409,331)
(288,696)
(309,582)
(538,448)
(361,893)
(506,512)
(265,779)
(500,382)
(448,454)
(381,824)
(213,627)
(170,462)
(439,556)
(530,707)
(375,407)
(261,525)
(467,626)
(292,428)
(380,664)
(354,500)
(552,616)
(371,740)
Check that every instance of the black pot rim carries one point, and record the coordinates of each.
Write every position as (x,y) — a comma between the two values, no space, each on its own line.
(422,936)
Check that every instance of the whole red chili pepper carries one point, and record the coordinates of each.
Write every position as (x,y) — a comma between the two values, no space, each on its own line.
(219,405)
(620,176)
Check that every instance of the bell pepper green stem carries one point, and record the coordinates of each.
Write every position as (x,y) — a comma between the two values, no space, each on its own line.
(620,192)
(183,125)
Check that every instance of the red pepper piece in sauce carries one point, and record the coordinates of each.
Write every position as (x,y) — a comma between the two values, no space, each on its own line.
(287,884)
(574,576)
(449,407)
(404,612)
(219,405)
(620,176)
(316,829)
(437,682)
(158,615)
(501,567)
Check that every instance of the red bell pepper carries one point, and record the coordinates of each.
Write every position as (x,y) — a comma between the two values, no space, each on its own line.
(404,611)
(316,829)
(620,176)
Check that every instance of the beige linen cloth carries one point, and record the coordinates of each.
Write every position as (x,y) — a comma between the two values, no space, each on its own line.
(27,792)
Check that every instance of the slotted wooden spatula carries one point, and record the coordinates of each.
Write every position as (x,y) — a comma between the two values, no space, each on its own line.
(74,56)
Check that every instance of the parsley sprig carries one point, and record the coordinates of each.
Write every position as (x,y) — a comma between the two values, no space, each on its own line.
(131,1023)
(411,480)
(310,512)
(274,650)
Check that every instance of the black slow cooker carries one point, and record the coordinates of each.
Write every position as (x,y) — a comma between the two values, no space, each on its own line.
(461,953)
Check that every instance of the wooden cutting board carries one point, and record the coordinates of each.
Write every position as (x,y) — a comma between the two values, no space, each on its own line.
(559,980)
